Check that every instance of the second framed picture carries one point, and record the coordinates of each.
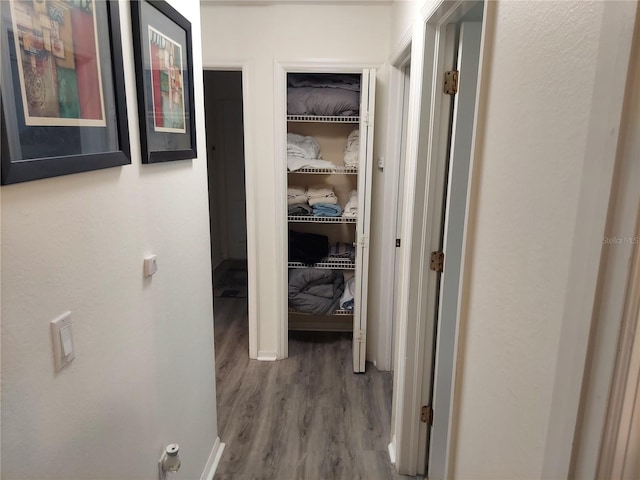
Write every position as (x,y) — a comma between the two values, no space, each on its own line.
(164,70)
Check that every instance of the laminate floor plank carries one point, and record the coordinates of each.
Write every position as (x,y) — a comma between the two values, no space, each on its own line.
(308,417)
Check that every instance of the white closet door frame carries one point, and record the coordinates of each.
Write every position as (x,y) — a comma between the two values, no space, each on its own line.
(246,68)
(280,69)
(367,115)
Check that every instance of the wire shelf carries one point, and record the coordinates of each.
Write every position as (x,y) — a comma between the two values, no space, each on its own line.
(338,170)
(314,219)
(322,119)
(327,263)
(338,311)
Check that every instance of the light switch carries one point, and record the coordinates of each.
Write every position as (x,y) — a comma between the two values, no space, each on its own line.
(67,341)
(62,336)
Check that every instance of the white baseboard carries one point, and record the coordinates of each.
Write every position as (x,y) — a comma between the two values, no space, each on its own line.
(266,356)
(392,450)
(213,461)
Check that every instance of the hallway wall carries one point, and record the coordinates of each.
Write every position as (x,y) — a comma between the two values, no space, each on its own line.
(144,372)
(540,77)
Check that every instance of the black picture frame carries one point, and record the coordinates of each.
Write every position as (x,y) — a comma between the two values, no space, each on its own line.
(36,144)
(166,107)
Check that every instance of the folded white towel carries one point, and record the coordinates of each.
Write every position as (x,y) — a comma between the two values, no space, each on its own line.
(330,199)
(351,208)
(319,190)
(296,195)
(352,149)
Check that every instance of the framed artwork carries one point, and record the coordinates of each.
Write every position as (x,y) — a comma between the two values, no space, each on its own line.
(62,92)
(164,71)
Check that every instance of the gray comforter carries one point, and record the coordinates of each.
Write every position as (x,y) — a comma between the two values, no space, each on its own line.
(315,291)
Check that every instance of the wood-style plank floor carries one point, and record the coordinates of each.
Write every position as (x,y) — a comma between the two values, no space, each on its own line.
(308,417)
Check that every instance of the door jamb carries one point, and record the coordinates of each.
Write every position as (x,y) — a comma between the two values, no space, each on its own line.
(387,337)
(427,68)
(280,70)
(251,206)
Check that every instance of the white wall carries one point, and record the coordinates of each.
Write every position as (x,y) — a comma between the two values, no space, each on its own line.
(533,136)
(144,372)
(259,36)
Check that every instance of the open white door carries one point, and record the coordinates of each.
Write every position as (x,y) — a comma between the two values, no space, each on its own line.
(452,242)
(367,103)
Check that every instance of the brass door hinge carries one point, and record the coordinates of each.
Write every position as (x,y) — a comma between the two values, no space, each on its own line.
(437,261)
(451,82)
(426,415)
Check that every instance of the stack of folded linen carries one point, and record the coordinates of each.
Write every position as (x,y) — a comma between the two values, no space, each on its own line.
(300,209)
(296,195)
(351,208)
(321,194)
(327,210)
(304,152)
(352,149)
(342,251)
(297,201)
(347,301)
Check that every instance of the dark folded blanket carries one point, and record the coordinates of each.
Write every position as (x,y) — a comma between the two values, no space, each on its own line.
(300,209)
(307,247)
(315,291)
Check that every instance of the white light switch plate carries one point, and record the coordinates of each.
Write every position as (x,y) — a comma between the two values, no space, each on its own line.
(62,337)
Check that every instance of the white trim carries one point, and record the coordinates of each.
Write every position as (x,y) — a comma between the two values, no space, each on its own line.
(595,189)
(267,356)
(246,67)
(610,334)
(280,70)
(280,182)
(213,460)
(402,378)
(421,231)
(392,450)
(386,337)
(614,454)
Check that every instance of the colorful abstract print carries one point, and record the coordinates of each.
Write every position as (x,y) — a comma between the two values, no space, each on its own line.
(166,83)
(58,62)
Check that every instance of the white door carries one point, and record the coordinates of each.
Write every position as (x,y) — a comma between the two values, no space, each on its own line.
(454,217)
(367,103)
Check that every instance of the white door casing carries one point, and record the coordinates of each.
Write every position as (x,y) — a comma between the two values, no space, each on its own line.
(367,112)
(423,203)
(454,225)
(281,69)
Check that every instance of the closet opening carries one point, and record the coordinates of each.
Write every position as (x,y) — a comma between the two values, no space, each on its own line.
(329,139)
(227,217)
